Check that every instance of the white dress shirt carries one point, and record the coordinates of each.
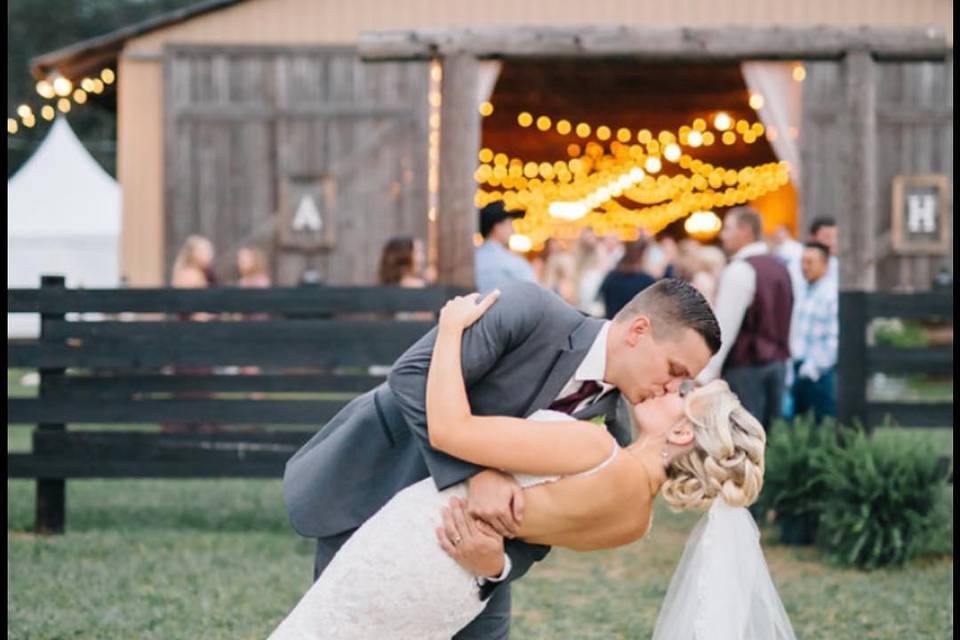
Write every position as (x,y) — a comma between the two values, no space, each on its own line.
(735,291)
(593,367)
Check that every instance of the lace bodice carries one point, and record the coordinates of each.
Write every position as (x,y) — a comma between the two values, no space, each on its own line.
(391,579)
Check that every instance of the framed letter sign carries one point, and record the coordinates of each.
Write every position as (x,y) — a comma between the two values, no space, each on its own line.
(307,212)
(921,217)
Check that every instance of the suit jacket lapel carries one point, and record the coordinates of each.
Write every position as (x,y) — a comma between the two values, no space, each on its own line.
(566,363)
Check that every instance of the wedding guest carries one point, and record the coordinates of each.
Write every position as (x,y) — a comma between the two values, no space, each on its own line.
(626,280)
(814,337)
(402,264)
(754,304)
(560,271)
(494,264)
(591,271)
(193,269)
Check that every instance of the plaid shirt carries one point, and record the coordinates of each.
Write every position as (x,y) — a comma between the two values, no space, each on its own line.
(815,330)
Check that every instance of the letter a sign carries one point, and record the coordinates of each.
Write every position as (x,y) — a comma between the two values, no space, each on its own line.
(308,212)
(307,216)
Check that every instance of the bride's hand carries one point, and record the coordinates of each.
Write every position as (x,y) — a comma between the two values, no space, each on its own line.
(463,311)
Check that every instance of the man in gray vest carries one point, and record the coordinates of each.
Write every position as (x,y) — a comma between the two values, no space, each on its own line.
(754,303)
(530,351)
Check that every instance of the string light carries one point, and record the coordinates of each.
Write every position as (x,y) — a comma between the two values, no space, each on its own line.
(524,119)
(560,198)
(799,73)
(62,87)
(756,101)
(485,109)
(721,121)
(45,89)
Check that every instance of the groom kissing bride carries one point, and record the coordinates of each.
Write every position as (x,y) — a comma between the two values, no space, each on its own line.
(430,494)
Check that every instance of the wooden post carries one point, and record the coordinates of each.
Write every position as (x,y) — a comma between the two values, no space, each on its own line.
(857,221)
(852,357)
(459,145)
(51,504)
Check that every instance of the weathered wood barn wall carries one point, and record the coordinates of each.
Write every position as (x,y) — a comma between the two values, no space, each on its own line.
(239,116)
(904,127)
(241,121)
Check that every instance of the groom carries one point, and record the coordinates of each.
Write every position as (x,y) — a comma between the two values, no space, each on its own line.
(529,351)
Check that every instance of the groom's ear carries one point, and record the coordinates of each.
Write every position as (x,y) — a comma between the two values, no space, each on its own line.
(639,326)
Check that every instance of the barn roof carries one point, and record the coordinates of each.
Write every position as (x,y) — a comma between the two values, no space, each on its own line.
(89,56)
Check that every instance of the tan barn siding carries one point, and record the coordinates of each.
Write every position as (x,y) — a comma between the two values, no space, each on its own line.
(140,117)
(313,21)
(140,170)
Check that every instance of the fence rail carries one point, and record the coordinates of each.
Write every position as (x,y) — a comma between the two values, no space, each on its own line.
(316,343)
(857,360)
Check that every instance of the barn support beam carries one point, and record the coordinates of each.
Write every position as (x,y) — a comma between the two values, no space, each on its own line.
(664,43)
(459,145)
(857,225)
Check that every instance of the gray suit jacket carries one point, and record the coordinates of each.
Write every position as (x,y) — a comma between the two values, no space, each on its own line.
(516,358)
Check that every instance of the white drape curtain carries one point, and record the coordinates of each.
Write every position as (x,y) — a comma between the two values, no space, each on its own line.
(781,113)
(489,72)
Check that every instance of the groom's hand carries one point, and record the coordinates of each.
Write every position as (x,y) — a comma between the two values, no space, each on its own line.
(497,499)
(472,544)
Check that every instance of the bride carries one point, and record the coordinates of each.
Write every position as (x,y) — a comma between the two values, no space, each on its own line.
(398,576)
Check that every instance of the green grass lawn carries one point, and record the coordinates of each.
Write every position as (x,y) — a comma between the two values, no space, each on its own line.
(218,559)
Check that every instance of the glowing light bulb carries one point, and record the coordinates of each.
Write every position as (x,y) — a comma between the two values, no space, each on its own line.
(107,76)
(485,109)
(756,101)
(62,86)
(524,119)
(695,139)
(722,122)
(653,164)
(799,73)
(672,152)
(45,89)
(24,110)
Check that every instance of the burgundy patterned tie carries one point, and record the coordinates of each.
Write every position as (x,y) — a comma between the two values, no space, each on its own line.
(568,404)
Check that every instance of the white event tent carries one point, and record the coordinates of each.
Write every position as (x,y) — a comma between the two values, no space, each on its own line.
(63,218)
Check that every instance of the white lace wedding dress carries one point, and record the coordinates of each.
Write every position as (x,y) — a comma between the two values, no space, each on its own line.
(391,579)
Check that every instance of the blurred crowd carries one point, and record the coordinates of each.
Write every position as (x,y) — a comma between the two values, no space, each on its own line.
(776,297)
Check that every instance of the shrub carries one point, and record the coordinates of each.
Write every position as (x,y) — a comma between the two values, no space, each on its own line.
(793,483)
(883,499)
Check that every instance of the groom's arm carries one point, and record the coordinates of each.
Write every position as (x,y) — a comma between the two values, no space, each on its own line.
(509,322)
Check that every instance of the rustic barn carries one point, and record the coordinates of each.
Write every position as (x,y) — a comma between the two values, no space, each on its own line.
(319,129)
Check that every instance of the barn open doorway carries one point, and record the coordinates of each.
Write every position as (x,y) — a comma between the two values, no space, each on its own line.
(533,126)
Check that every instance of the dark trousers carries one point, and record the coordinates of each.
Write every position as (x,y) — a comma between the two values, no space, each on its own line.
(760,389)
(492,624)
(819,395)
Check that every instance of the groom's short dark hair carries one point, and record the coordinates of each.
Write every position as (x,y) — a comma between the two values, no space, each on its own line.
(673,303)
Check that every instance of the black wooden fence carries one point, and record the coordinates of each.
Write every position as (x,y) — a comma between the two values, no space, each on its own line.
(857,360)
(319,342)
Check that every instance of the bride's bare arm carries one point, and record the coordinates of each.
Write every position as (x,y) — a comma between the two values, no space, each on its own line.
(513,444)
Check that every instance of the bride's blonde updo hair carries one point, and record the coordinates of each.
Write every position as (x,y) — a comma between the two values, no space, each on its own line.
(727,457)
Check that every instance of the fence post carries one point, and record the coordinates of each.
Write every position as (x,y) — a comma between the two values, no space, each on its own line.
(51,492)
(852,358)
